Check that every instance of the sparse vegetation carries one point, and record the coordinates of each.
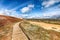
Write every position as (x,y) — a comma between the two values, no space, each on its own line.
(36,32)
(50,21)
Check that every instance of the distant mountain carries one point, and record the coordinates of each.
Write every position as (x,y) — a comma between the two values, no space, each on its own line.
(56,17)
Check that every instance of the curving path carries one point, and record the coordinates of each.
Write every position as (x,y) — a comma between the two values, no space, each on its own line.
(18,33)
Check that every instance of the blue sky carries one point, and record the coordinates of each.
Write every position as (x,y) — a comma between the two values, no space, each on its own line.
(30,8)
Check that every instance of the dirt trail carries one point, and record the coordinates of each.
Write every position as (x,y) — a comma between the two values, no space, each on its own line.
(47,26)
(18,33)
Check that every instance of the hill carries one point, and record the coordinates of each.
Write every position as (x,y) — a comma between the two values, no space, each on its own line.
(9,18)
(6,26)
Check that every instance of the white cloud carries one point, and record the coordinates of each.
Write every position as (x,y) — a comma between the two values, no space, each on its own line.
(49,3)
(52,13)
(26,9)
(4,12)
(32,6)
(8,12)
(1,13)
